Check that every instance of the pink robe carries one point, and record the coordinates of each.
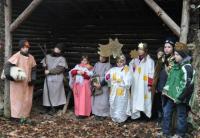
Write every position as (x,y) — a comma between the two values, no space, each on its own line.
(20,92)
(81,90)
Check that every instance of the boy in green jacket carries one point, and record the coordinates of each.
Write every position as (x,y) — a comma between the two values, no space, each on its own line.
(178,90)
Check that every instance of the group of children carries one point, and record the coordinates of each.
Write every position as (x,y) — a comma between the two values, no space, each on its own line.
(118,92)
(126,91)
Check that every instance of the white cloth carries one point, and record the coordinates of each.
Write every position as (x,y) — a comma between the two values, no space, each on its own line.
(79,78)
(120,79)
(141,100)
(16,73)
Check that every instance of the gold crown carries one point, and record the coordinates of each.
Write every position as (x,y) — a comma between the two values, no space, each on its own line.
(121,58)
(134,53)
(142,45)
(180,46)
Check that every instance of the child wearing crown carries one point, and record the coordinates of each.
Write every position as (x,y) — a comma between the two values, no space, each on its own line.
(120,78)
(143,70)
(178,90)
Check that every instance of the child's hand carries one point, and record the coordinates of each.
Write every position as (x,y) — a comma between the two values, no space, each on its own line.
(80,72)
(97,85)
(46,72)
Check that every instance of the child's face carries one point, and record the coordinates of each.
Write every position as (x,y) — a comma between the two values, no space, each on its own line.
(56,50)
(160,54)
(120,63)
(168,49)
(25,49)
(84,61)
(102,59)
(141,52)
(177,57)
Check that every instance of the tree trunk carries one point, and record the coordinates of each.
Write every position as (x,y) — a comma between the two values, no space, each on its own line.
(185,22)
(194,37)
(8,50)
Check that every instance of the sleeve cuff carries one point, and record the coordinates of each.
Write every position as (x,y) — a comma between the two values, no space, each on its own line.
(150,81)
(85,76)
(74,72)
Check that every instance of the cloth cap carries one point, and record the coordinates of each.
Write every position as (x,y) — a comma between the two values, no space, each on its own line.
(170,40)
(60,46)
(181,49)
(22,43)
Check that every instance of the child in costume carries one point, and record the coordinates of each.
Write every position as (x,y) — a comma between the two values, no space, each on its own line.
(142,68)
(100,98)
(55,64)
(157,102)
(21,91)
(120,78)
(80,83)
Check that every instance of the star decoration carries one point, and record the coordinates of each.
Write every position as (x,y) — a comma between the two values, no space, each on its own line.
(116,48)
(112,48)
(105,50)
(146,97)
(134,54)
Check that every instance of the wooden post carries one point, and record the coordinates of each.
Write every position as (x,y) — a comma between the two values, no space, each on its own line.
(185,22)
(2,32)
(24,15)
(8,50)
(166,19)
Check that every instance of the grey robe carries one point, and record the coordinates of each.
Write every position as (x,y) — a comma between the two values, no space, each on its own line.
(100,103)
(55,81)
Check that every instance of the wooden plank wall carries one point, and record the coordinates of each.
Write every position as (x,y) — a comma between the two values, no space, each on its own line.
(131,25)
(81,34)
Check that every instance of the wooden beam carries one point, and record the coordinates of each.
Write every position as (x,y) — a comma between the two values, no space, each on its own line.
(166,19)
(185,21)
(8,51)
(24,15)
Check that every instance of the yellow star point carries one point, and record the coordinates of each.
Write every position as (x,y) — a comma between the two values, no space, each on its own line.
(134,53)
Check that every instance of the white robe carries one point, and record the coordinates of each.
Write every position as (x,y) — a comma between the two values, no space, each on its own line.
(141,97)
(120,79)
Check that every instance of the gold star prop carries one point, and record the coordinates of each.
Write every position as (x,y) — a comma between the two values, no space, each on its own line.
(112,48)
(116,48)
(105,50)
(134,54)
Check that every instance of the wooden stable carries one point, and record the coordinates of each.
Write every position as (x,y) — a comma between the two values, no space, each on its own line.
(83,24)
